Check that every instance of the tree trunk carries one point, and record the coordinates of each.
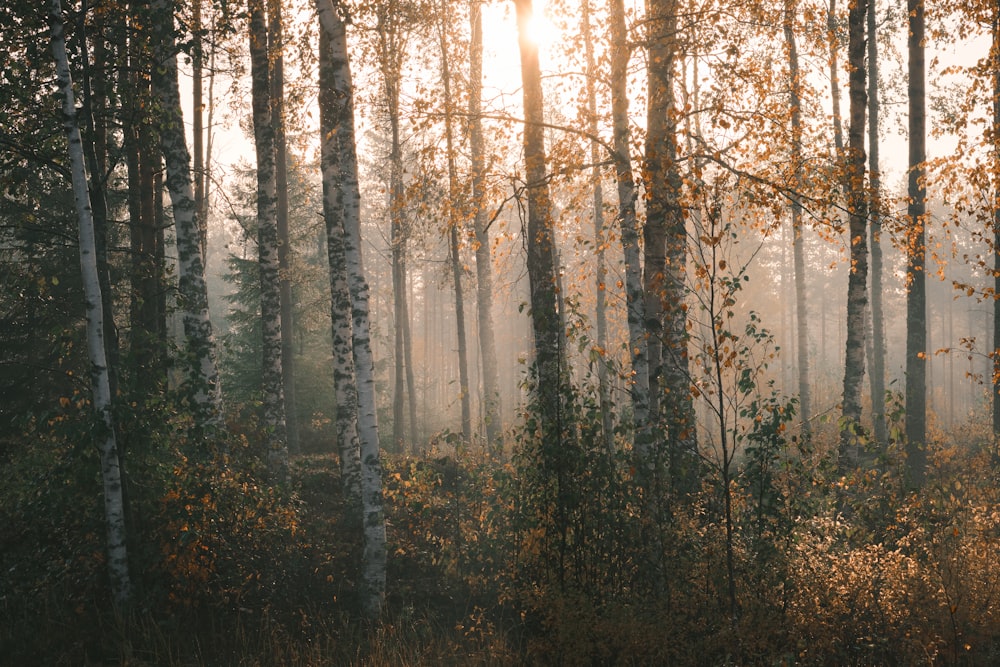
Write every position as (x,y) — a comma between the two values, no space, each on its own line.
(114,508)
(916,294)
(202,383)
(455,212)
(541,239)
(484,255)
(798,242)
(666,260)
(877,357)
(600,310)
(373,584)
(276,47)
(635,304)
(344,380)
(857,206)
(197,122)
(267,248)
(833,42)
(995,51)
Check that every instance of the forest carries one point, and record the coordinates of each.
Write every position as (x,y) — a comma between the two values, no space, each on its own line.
(488,332)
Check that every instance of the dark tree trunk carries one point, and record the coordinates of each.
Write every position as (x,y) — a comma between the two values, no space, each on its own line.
(541,239)
(857,206)
(916,294)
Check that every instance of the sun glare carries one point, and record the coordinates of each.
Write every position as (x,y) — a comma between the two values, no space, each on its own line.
(541,30)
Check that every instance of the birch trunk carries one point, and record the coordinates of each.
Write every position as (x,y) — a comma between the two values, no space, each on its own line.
(541,240)
(202,382)
(454,222)
(114,506)
(267,248)
(639,381)
(857,206)
(995,53)
(916,294)
(373,585)
(276,47)
(877,346)
(484,256)
(798,242)
(344,379)
(600,309)
(666,260)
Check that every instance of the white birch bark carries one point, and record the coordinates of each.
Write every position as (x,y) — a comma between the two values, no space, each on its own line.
(202,373)
(344,380)
(267,249)
(373,584)
(114,506)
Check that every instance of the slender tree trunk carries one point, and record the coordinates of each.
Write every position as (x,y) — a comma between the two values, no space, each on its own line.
(198,123)
(344,380)
(798,242)
(877,375)
(833,41)
(95,148)
(373,584)
(857,206)
(484,255)
(541,239)
(635,304)
(666,259)
(267,247)
(202,382)
(276,48)
(455,212)
(114,507)
(600,314)
(916,294)
(995,53)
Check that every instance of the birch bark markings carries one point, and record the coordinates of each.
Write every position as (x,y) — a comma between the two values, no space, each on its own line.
(202,381)
(111,478)
(267,247)
(345,387)
(374,557)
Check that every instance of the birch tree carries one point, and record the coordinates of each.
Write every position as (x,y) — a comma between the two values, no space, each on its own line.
(454,222)
(625,179)
(374,558)
(202,382)
(111,478)
(267,247)
(541,240)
